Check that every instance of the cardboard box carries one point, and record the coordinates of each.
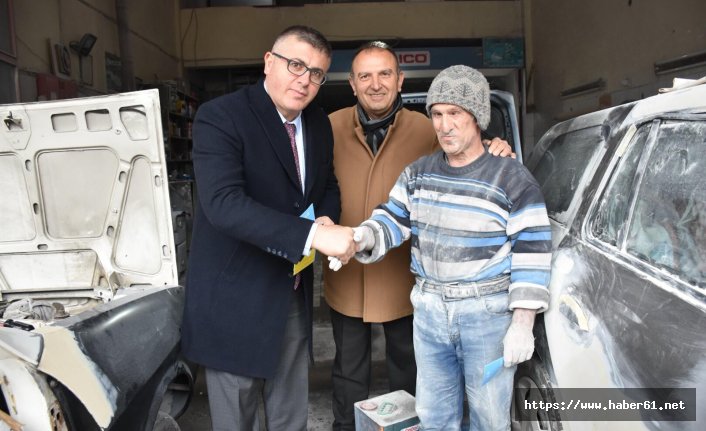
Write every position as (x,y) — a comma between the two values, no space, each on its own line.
(389,412)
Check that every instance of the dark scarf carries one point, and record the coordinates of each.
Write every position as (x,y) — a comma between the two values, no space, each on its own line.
(375,130)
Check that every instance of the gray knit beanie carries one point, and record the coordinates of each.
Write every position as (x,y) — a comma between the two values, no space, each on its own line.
(465,87)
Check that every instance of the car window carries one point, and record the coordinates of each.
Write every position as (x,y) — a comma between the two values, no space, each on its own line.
(563,165)
(668,228)
(499,124)
(612,211)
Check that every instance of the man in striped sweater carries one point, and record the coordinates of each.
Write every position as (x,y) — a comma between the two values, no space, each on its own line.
(481,252)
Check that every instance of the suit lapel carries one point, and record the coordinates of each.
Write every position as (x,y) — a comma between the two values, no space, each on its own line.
(274,130)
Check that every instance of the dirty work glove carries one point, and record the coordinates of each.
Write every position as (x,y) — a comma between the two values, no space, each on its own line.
(364,238)
(518,343)
(334,263)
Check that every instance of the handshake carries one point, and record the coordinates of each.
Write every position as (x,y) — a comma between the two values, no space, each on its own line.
(341,243)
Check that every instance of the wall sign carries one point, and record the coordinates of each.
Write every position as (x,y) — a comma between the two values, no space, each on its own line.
(436,58)
(414,58)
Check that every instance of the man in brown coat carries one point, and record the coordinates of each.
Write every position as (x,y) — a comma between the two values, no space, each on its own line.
(373,142)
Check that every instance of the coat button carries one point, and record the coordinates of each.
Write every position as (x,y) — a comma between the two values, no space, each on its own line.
(296,204)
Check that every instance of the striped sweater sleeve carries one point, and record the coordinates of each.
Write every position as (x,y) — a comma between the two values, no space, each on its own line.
(390,221)
(530,234)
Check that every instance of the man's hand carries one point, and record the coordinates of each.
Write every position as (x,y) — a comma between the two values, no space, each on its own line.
(499,147)
(324,220)
(519,340)
(335,241)
(364,240)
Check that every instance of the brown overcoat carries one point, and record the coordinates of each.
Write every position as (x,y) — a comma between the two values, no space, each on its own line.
(377,292)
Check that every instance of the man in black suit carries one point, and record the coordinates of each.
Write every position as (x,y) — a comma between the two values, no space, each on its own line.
(247,318)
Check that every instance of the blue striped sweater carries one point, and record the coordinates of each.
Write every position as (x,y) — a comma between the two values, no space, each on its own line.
(481,221)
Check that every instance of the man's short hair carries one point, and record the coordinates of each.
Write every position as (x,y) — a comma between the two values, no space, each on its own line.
(376,44)
(309,35)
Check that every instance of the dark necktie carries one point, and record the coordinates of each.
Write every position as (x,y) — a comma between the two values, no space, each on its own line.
(292,132)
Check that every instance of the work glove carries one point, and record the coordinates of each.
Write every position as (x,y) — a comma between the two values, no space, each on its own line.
(364,239)
(334,263)
(518,343)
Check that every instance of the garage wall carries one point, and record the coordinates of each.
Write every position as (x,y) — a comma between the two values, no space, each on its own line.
(577,42)
(231,36)
(42,24)
(568,42)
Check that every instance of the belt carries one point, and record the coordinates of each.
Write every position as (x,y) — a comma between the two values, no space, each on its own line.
(473,289)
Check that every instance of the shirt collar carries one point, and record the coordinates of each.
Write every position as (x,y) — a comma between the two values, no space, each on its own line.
(297,121)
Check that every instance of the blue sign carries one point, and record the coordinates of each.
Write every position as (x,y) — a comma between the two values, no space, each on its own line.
(503,52)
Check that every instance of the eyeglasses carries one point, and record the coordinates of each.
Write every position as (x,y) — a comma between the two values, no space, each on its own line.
(296,67)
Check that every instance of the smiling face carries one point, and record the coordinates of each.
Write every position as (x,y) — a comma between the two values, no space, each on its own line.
(376,80)
(458,133)
(291,93)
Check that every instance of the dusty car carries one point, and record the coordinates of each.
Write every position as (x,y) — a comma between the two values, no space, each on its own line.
(625,191)
(90,303)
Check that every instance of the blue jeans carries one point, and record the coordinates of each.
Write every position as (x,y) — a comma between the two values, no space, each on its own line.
(453,340)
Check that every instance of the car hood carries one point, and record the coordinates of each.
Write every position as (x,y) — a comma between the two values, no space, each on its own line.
(85,202)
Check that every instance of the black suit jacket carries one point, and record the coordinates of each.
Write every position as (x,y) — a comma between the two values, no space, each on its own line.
(247,231)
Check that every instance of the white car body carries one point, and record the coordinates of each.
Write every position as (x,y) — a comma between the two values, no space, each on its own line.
(88,275)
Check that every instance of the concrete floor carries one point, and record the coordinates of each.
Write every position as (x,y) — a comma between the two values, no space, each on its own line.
(197,417)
